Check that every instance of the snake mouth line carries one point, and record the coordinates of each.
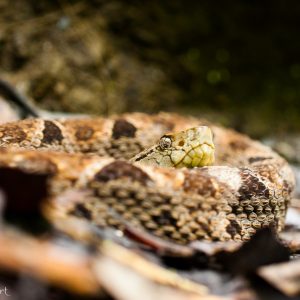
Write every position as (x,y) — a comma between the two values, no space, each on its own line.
(187,154)
(144,155)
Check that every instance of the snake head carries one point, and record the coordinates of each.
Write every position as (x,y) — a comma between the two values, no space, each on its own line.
(189,148)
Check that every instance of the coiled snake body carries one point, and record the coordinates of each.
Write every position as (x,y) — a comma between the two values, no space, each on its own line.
(248,187)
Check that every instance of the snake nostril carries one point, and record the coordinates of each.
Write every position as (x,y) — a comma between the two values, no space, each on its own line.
(181,143)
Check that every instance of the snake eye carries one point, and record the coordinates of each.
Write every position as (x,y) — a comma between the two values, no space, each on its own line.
(165,142)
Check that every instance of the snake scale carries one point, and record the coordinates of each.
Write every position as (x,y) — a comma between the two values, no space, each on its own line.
(248,186)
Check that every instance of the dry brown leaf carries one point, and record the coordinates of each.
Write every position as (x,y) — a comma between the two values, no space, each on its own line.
(128,276)
(284,276)
(54,264)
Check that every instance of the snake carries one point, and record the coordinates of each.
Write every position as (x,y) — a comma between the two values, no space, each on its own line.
(177,177)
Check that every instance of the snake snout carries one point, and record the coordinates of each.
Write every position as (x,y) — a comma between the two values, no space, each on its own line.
(194,148)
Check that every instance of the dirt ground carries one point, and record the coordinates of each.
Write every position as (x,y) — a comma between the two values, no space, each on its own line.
(60,55)
(237,65)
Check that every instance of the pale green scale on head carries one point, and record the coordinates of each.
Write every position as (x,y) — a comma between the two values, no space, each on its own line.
(189,148)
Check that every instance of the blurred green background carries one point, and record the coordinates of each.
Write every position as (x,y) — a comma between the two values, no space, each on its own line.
(234,62)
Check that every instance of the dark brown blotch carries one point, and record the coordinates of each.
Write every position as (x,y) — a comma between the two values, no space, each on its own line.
(123,128)
(51,133)
(257,159)
(199,183)
(14,134)
(121,169)
(239,145)
(252,186)
(81,211)
(84,133)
